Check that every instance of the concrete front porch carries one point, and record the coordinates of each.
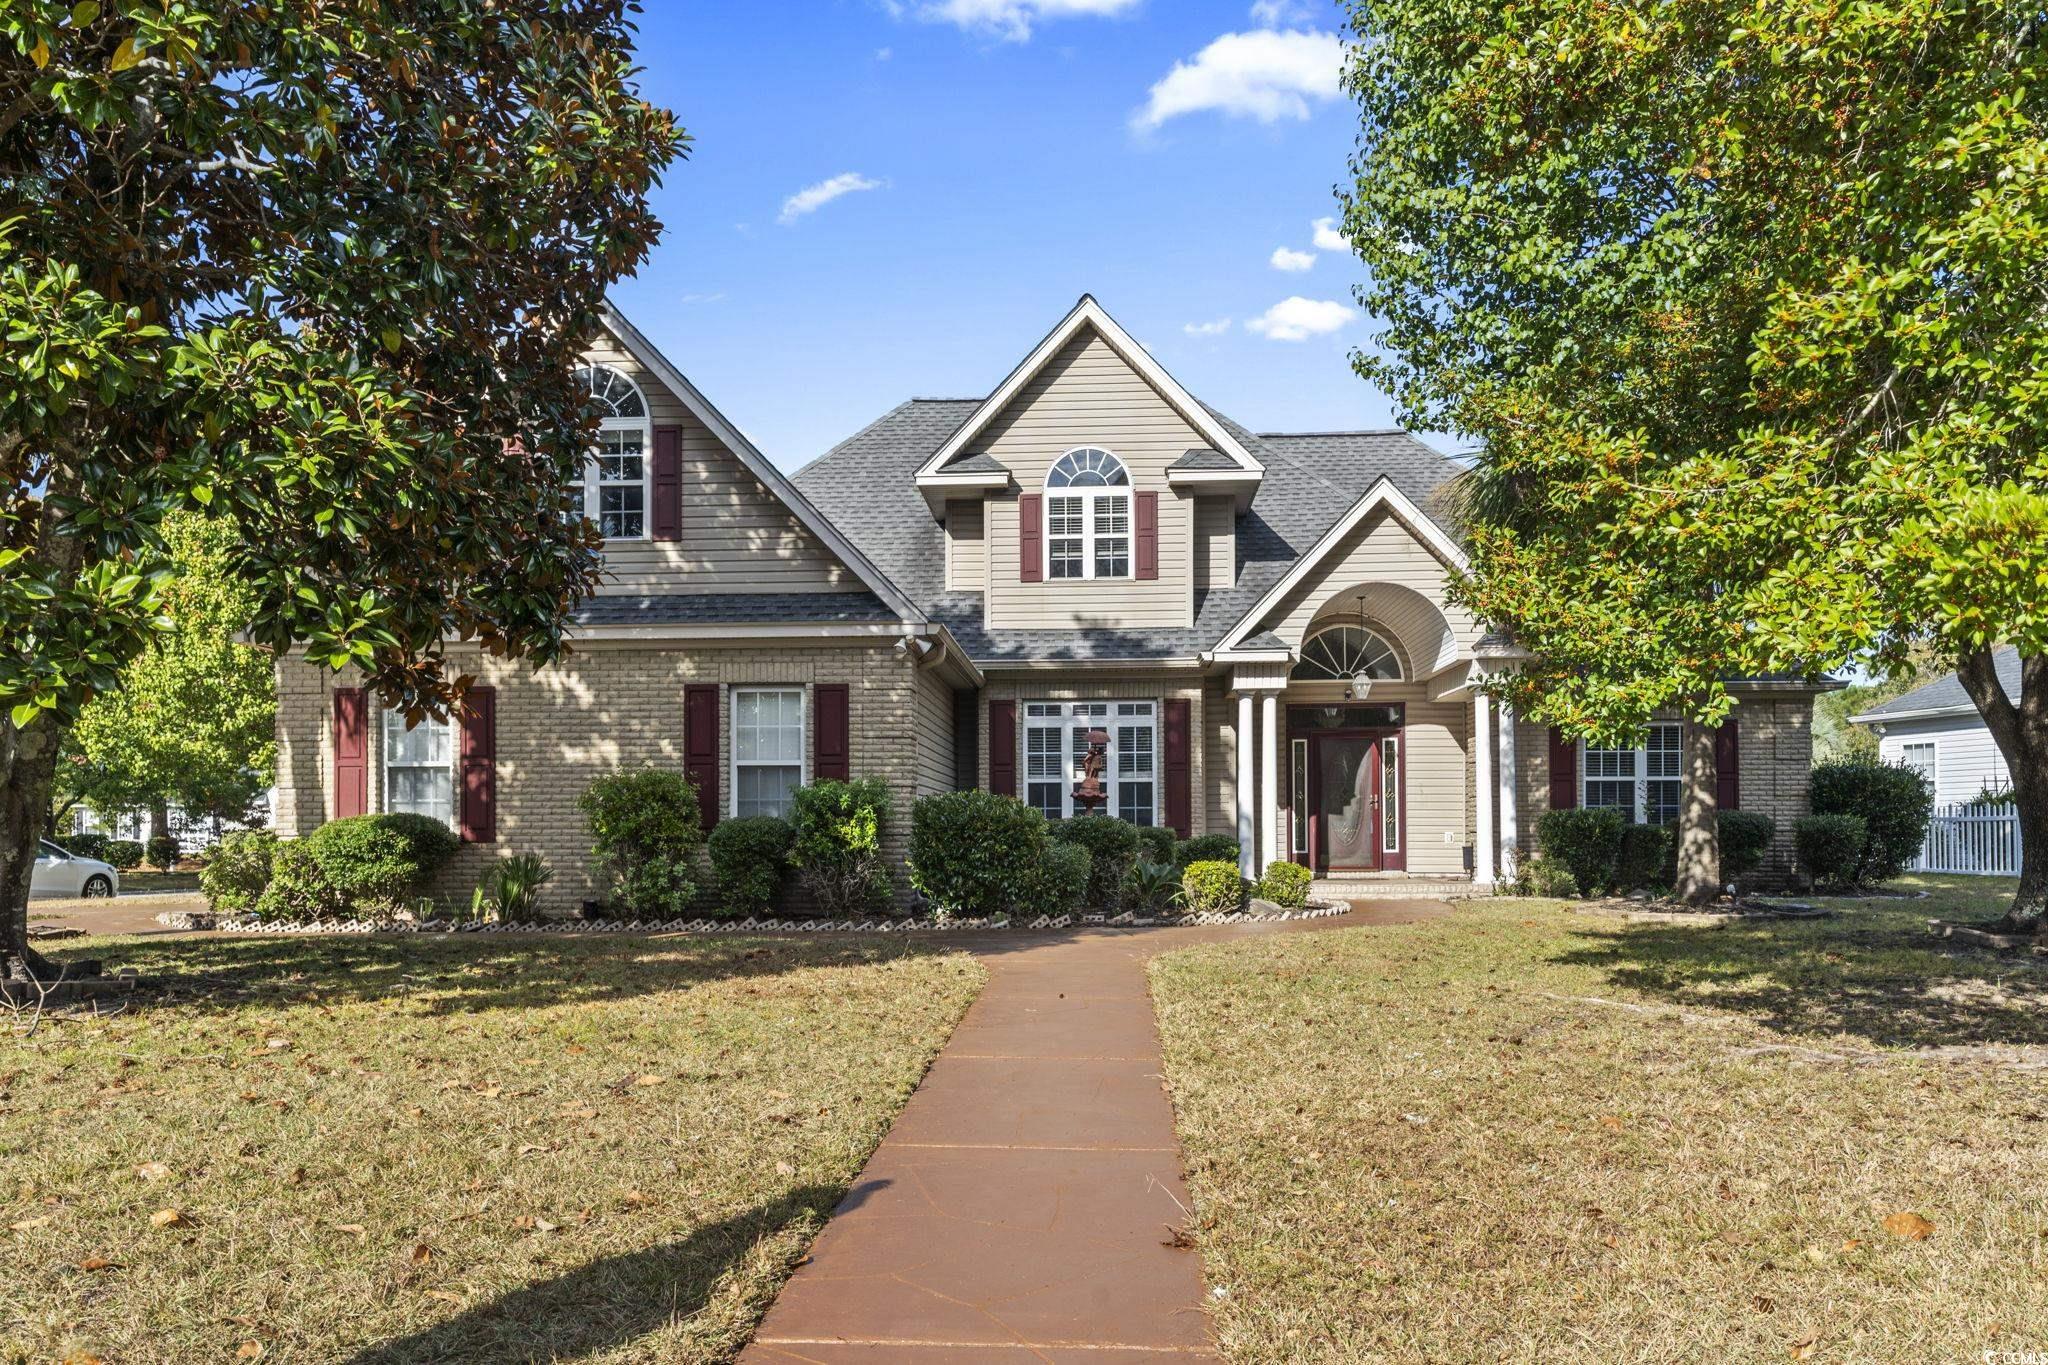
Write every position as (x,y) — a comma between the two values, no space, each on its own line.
(1391,886)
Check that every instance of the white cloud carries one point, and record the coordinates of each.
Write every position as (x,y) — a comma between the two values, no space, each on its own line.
(815,197)
(1010,20)
(1298,319)
(1207,329)
(1280,13)
(1292,261)
(883,54)
(1328,238)
(1266,75)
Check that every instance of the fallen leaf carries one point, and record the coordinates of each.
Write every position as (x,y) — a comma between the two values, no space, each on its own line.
(28,1224)
(784,1168)
(446,1296)
(1611,1122)
(169,1218)
(249,1350)
(1852,1244)
(277,1044)
(637,1199)
(357,1230)
(651,1080)
(492,1092)
(422,1253)
(1804,1347)
(83,1358)
(543,1225)
(153,1171)
(91,1263)
(576,1047)
(1817,1255)
(1909,1225)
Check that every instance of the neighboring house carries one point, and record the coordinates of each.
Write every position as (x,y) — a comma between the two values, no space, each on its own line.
(1938,731)
(958,594)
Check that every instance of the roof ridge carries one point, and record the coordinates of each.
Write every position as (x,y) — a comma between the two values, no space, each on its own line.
(1347,431)
(817,460)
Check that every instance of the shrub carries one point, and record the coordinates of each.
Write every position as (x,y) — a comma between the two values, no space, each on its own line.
(1543,876)
(837,849)
(85,844)
(1211,887)
(238,871)
(1150,888)
(1646,854)
(749,857)
(1112,847)
(971,852)
(376,863)
(1057,883)
(298,889)
(1206,848)
(1286,885)
(1894,803)
(1155,844)
(1586,842)
(163,852)
(122,853)
(1830,847)
(1744,837)
(644,828)
(511,888)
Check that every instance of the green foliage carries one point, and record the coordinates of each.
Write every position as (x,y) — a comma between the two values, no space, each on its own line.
(1644,855)
(971,852)
(123,853)
(749,858)
(1585,842)
(1211,887)
(238,871)
(86,844)
(1830,848)
(1056,883)
(377,863)
(511,887)
(644,828)
(162,852)
(1151,887)
(1112,846)
(1745,836)
(1206,848)
(1286,885)
(1895,804)
(837,849)
(1544,876)
(298,889)
(1155,844)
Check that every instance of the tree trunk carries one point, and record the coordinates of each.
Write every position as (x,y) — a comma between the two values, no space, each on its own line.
(1699,842)
(28,770)
(2021,732)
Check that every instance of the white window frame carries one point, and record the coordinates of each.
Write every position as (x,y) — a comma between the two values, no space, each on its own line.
(1095,505)
(1933,770)
(1071,721)
(803,727)
(593,480)
(1641,776)
(395,727)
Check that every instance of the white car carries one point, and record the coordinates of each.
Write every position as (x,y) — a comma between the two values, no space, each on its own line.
(59,873)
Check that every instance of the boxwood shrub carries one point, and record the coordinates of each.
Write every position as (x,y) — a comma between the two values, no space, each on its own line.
(645,829)
(163,852)
(1112,846)
(1585,842)
(1744,837)
(1646,854)
(378,863)
(1286,885)
(86,844)
(1206,848)
(971,852)
(1211,887)
(749,857)
(1894,803)
(837,850)
(1057,883)
(298,889)
(1155,844)
(1830,848)
(239,870)
(1546,876)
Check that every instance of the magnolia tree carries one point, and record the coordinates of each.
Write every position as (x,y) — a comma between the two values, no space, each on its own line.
(302,269)
(1743,299)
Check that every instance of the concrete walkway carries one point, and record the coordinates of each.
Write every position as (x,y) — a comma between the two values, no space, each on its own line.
(1024,1206)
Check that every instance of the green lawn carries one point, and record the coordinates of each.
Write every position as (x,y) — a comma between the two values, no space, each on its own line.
(1527,1134)
(400,1150)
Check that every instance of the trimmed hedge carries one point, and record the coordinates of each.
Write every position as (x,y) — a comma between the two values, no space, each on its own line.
(1545,876)
(162,852)
(379,862)
(1206,848)
(1057,883)
(234,878)
(644,827)
(1895,803)
(1647,855)
(122,853)
(837,851)
(86,844)
(1155,844)
(1212,887)
(1112,846)
(1286,885)
(1586,842)
(1744,837)
(1831,848)
(298,889)
(972,852)
(749,858)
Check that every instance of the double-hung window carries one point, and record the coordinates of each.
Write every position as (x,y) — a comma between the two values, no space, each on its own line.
(767,749)
(1056,750)
(1088,516)
(616,480)
(1921,759)
(1643,782)
(419,768)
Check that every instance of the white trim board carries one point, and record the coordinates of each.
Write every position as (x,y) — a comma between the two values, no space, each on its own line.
(1089,313)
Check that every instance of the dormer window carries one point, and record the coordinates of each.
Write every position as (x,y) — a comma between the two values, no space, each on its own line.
(615,492)
(1088,516)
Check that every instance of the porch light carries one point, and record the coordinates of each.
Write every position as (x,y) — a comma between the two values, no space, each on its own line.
(1361,686)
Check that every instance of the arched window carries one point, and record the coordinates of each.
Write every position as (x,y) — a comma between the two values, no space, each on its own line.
(1088,516)
(615,483)
(1340,653)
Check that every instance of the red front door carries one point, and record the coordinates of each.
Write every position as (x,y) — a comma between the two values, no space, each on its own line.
(1344,802)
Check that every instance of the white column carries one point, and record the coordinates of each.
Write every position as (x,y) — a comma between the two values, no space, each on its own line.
(1245,852)
(1269,782)
(1510,853)
(1482,777)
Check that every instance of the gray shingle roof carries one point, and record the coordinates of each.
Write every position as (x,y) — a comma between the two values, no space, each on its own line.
(866,485)
(980,462)
(731,609)
(1204,460)
(1947,693)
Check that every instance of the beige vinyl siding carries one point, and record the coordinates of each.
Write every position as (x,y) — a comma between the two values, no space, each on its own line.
(1383,550)
(933,723)
(736,535)
(1216,795)
(966,547)
(1215,542)
(1087,396)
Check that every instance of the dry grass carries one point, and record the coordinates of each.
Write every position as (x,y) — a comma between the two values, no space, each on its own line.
(1527,1134)
(423,1150)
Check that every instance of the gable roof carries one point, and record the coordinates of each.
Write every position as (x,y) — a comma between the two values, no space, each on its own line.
(1085,314)
(778,484)
(1945,696)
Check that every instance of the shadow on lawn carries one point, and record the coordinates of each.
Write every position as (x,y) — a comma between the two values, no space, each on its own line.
(1876,975)
(613,1301)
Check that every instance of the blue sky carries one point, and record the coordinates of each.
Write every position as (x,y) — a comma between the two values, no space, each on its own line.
(995,159)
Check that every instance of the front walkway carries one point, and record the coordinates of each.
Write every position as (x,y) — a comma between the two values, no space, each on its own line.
(1025,1206)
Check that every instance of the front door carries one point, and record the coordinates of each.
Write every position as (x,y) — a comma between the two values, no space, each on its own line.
(1344,802)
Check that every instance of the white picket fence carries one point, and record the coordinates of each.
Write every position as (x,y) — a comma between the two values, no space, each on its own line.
(1980,841)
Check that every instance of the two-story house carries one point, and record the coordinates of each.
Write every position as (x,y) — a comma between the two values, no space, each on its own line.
(958,594)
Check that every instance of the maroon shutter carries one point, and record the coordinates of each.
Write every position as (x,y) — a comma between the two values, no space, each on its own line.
(668,483)
(1147,517)
(351,753)
(1179,785)
(834,732)
(1564,771)
(1031,538)
(479,819)
(1728,766)
(700,748)
(1002,748)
